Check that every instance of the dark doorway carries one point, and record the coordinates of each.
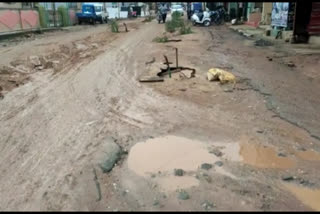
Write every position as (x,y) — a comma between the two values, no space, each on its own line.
(301,20)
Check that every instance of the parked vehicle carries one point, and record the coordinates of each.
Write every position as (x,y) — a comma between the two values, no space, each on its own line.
(219,16)
(177,8)
(202,18)
(192,8)
(101,11)
(132,13)
(196,7)
(91,13)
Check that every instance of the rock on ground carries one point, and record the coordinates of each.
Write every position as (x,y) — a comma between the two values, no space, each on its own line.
(178,172)
(183,195)
(206,166)
(108,155)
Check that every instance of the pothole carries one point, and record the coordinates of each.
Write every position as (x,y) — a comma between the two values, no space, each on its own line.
(167,153)
(309,156)
(161,156)
(264,157)
(309,197)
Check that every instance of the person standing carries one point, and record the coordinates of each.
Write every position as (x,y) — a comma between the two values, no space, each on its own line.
(163,12)
(189,12)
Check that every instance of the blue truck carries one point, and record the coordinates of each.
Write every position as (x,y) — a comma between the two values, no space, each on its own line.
(92,13)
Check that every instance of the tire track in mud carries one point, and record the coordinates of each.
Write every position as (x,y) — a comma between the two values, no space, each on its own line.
(42,159)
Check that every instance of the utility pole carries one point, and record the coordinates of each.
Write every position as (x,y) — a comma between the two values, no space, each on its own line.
(119,9)
(54,14)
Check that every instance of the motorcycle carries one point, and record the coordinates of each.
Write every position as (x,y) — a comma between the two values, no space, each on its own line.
(132,13)
(219,16)
(201,18)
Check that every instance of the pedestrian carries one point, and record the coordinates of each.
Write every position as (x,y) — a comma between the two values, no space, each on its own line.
(163,12)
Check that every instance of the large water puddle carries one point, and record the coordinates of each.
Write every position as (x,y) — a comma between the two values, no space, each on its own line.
(308,155)
(264,157)
(310,197)
(166,154)
(160,156)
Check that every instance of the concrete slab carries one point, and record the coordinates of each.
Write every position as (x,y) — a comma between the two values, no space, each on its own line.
(314,40)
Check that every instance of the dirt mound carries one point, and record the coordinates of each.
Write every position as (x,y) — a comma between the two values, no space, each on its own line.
(65,57)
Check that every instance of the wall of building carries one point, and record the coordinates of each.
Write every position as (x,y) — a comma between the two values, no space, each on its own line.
(233,9)
(17,20)
(266,13)
(13,5)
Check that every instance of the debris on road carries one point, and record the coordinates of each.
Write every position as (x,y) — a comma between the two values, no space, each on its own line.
(183,195)
(218,163)
(301,149)
(221,75)
(305,182)
(228,90)
(260,131)
(216,152)
(35,61)
(151,79)
(152,61)
(156,202)
(234,21)
(207,205)
(165,39)
(262,42)
(185,71)
(111,157)
(280,154)
(1,95)
(125,26)
(287,178)
(291,64)
(97,184)
(178,172)
(188,73)
(206,166)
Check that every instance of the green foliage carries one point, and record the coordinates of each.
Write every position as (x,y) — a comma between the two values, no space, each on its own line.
(170,27)
(177,22)
(185,30)
(114,26)
(64,16)
(175,15)
(161,39)
(42,16)
(177,19)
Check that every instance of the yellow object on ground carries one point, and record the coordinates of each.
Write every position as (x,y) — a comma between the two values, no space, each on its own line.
(221,75)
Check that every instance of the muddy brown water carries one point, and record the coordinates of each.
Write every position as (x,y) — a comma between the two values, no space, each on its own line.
(264,157)
(158,157)
(308,155)
(310,197)
(162,155)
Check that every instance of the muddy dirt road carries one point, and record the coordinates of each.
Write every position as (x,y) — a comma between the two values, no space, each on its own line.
(183,144)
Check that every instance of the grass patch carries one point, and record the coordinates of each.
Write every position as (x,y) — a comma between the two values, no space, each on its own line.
(177,19)
(160,39)
(170,27)
(177,23)
(114,26)
(185,30)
